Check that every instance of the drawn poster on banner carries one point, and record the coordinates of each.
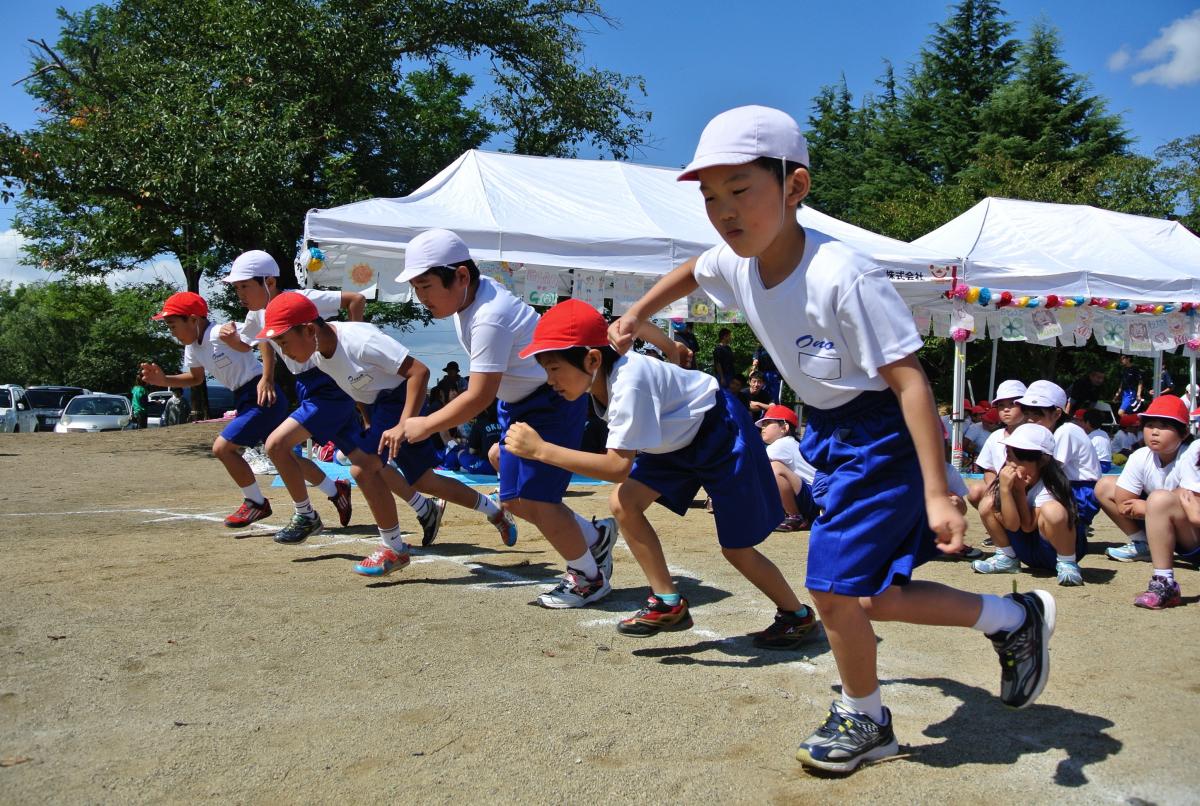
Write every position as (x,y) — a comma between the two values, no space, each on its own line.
(626,290)
(589,286)
(1160,334)
(701,309)
(730,316)
(1012,327)
(1084,320)
(1046,325)
(1137,334)
(961,320)
(1110,332)
(676,310)
(502,272)
(922,320)
(1177,326)
(541,286)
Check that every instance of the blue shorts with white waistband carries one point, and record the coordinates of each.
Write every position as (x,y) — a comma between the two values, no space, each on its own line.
(326,412)
(728,458)
(254,423)
(556,420)
(874,529)
(413,459)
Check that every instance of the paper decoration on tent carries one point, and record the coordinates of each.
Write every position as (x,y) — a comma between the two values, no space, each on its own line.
(730,316)
(676,310)
(1110,332)
(541,286)
(1012,327)
(701,309)
(1046,325)
(502,272)
(626,290)
(1179,327)
(923,320)
(1160,334)
(590,287)
(962,324)
(977,295)
(360,277)
(1137,336)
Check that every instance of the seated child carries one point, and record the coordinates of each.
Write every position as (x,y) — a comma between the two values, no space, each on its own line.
(1035,507)
(1150,468)
(793,474)
(670,431)
(1127,439)
(1092,422)
(1172,529)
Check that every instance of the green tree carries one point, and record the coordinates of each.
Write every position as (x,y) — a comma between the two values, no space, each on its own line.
(201,128)
(1181,162)
(837,142)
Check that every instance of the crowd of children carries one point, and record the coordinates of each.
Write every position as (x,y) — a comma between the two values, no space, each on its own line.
(867,477)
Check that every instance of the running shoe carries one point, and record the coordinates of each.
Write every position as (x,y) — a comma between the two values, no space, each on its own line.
(966,553)
(848,739)
(787,631)
(341,501)
(383,562)
(1132,551)
(432,522)
(998,563)
(248,513)
(575,590)
(792,523)
(1025,652)
(504,522)
(299,528)
(1069,575)
(657,616)
(1160,594)
(603,548)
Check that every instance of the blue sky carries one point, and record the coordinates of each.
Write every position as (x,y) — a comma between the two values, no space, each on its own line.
(699,57)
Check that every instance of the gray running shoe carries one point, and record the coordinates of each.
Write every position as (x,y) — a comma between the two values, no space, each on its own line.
(1025,652)
(299,528)
(848,739)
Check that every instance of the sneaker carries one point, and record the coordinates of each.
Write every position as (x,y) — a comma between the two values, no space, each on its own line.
(1132,551)
(997,564)
(341,501)
(967,553)
(1025,652)
(575,590)
(987,542)
(848,739)
(299,528)
(1161,594)
(248,513)
(1069,575)
(788,631)
(504,522)
(657,616)
(792,523)
(383,562)
(603,548)
(432,522)
(260,463)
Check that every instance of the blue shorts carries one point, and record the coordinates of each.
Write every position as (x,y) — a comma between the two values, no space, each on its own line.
(1036,552)
(254,423)
(1105,467)
(556,420)
(326,412)
(807,503)
(774,384)
(874,529)
(413,459)
(1128,398)
(728,458)
(1086,506)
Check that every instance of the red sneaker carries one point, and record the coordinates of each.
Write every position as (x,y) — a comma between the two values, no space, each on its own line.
(341,501)
(656,617)
(382,562)
(248,513)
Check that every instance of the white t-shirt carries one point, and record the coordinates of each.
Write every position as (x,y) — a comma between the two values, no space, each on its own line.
(232,369)
(977,433)
(365,362)
(787,451)
(329,304)
(1144,472)
(830,325)
(655,406)
(494,330)
(1073,448)
(993,454)
(1102,445)
(955,482)
(1038,495)
(1122,441)
(1187,474)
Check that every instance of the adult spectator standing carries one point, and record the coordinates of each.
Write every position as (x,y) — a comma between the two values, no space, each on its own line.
(452,380)
(685,334)
(723,358)
(1086,390)
(1129,395)
(766,365)
(139,396)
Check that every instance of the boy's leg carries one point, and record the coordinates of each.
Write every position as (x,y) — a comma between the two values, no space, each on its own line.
(556,521)
(852,639)
(393,554)
(764,575)
(255,505)
(230,455)
(629,501)
(976,492)
(450,489)
(279,447)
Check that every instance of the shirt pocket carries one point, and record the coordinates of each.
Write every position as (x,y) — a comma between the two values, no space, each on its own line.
(222,361)
(820,367)
(361,382)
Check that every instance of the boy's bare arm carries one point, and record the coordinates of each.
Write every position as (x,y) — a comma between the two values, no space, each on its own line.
(676,284)
(612,465)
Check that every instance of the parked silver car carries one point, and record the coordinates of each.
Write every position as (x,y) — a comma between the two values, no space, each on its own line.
(15,414)
(48,402)
(94,412)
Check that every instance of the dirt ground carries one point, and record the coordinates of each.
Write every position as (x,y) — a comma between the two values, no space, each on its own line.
(151,654)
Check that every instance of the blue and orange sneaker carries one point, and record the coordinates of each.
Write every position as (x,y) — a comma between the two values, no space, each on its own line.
(383,562)
(505,524)
(657,616)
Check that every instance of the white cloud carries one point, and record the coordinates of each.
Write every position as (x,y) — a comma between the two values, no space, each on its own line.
(1174,54)
(15,271)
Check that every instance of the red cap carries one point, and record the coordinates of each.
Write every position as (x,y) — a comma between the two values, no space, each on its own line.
(778,412)
(286,311)
(1168,407)
(571,323)
(1129,420)
(185,303)
(1079,413)
(991,417)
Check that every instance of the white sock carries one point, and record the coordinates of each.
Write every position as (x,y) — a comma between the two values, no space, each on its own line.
(486,505)
(871,705)
(585,565)
(1169,573)
(590,533)
(1007,551)
(999,614)
(1138,537)
(392,539)
(252,493)
(419,503)
(305,508)
(1065,558)
(327,487)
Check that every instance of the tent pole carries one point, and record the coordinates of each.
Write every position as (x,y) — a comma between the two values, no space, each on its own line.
(1158,361)
(992,373)
(956,418)
(1192,387)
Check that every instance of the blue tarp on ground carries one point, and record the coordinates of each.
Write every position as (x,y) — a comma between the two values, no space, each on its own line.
(337,471)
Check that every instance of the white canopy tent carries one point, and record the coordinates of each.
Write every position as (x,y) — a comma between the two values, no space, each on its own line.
(1039,249)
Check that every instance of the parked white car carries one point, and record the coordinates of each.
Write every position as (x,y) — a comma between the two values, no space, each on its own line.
(15,413)
(94,412)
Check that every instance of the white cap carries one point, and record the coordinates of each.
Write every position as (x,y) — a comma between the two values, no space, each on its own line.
(248,265)
(1044,394)
(743,135)
(1030,437)
(1009,390)
(433,247)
